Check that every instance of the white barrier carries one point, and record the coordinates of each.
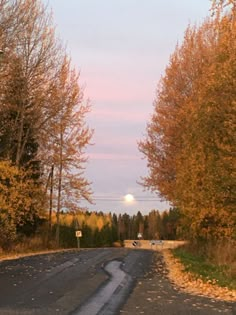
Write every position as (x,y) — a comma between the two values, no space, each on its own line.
(153,244)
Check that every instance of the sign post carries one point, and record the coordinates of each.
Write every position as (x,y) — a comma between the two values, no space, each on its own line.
(78,234)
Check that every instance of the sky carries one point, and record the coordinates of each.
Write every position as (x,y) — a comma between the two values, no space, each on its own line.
(121,49)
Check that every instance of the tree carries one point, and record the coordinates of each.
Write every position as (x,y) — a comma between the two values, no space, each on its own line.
(121,228)
(139,224)
(153,225)
(69,137)
(114,228)
(20,201)
(42,112)
(219,5)
(207,162)
(191,137)
(31,55)
(173,104)
(170,223)
(87,239)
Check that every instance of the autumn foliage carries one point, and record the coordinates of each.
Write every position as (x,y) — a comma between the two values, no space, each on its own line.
(190,142)
(42,121)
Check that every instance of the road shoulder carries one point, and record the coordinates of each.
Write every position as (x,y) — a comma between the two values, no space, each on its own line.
(156,294)
(188,283)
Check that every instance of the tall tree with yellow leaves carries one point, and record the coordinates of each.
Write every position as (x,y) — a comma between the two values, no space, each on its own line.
(191,137)
(31,55)
(69,135)
(41,109)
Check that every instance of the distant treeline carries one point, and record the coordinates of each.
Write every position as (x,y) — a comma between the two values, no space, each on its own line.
(100,229)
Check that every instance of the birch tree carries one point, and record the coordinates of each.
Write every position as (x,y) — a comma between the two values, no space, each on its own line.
(31,68)
(70,136)
(42,110)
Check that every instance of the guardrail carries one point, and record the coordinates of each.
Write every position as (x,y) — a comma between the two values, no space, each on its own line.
(153,244)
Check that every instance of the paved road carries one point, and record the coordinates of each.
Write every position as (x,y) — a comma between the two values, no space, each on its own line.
(96,281)
(60,283)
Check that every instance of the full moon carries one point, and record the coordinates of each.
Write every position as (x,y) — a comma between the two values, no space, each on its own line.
(129,198)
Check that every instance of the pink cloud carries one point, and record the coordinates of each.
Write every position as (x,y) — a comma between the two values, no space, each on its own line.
(111,156)
(110,88)
(109,114)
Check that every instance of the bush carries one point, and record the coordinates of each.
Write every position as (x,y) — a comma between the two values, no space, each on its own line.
(7,232)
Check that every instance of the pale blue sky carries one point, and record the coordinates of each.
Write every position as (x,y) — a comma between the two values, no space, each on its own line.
(121,48)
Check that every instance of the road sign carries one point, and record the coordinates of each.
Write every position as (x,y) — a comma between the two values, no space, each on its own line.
(136,243)
(78,233)
(156,242)
(140,235)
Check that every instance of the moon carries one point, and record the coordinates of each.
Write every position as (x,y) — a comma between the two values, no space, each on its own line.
(129,198)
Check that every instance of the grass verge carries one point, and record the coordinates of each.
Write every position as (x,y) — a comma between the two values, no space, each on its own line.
(201,268)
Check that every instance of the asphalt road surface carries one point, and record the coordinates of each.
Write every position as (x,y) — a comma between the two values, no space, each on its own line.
(96,281)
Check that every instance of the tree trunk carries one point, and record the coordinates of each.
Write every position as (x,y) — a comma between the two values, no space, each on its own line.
(59,192)
(50,205)
(20,137)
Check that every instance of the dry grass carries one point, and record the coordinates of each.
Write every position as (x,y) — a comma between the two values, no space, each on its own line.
(30,244)
(223,254)
(25,247)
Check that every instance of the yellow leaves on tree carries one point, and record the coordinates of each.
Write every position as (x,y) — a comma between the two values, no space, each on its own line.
(191,137)
(42,111)
(19,200)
